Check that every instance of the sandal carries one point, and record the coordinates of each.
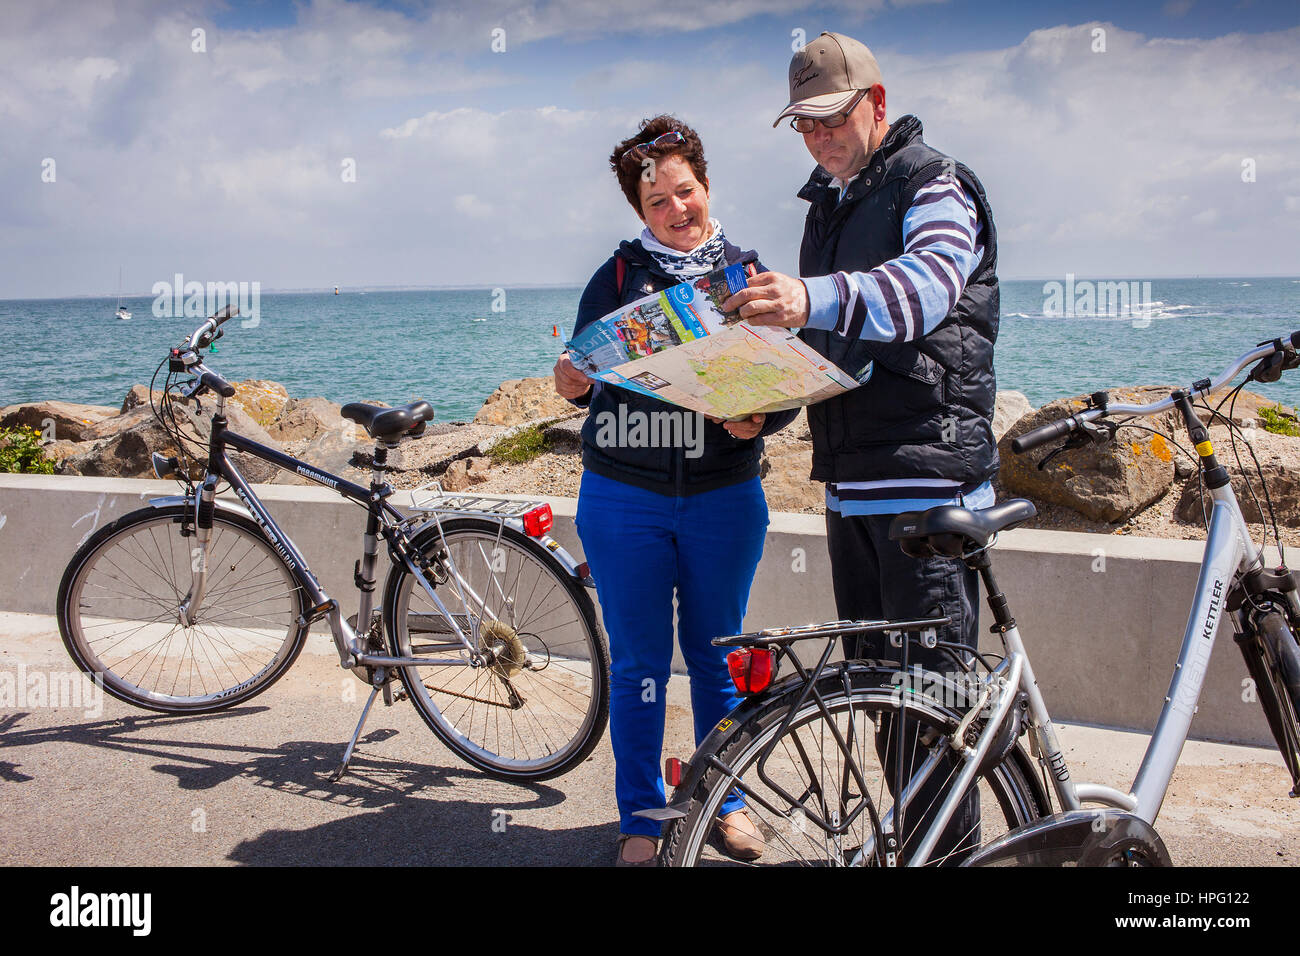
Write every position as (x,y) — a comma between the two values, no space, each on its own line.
(653,860)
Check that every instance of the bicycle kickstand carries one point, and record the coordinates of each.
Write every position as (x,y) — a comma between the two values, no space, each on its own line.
(347,754)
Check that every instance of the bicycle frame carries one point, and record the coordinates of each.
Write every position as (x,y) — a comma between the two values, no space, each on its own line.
(382,520)
(1229,552)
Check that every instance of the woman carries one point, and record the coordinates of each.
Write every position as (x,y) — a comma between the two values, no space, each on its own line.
(657,522)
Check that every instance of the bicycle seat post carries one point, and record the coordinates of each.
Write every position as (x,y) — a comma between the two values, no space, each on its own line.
(363,574)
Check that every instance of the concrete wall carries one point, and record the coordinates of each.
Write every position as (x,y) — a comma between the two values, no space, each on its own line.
(1103,635)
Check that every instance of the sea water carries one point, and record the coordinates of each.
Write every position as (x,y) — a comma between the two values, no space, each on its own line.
(454,347)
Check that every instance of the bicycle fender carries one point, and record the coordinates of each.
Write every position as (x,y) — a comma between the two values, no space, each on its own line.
(698,766)
(221,504)
(575,568)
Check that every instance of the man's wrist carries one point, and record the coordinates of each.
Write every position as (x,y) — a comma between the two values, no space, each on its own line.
(823,303)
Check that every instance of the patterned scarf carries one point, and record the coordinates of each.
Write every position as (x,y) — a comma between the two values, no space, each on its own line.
(701,260)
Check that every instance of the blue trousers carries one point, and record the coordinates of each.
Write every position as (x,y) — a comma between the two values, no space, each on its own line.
(642,548)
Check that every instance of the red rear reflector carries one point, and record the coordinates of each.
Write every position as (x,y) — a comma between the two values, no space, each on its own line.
(538,521)
(674,771)
(751,669)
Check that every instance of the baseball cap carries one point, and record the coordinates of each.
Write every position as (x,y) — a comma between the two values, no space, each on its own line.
(827,73)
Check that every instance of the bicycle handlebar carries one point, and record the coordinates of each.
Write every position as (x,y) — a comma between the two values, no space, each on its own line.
(203,335)
(1064,426)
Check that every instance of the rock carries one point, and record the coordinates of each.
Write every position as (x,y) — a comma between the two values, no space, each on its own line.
(1245,406)
(56,421)
(523,399)
(344,450)
(1009,409)
(565,436)
(59,450)
(456,477)
(263,401)
(1105,482)
(121,446)
(478,469)
(1282,479)
(305,418)
(138,396)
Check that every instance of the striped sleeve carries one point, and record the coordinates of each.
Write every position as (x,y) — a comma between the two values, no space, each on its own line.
(907,297)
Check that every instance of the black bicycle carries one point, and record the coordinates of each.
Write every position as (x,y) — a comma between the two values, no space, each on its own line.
(197,603)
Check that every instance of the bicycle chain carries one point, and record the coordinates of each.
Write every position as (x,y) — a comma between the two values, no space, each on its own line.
(514,703)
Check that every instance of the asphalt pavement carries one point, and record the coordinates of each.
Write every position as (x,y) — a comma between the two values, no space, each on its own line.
(114,785)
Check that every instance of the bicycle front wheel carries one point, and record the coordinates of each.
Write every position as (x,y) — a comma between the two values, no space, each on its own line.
(119,612)
(817,780)
(539,703)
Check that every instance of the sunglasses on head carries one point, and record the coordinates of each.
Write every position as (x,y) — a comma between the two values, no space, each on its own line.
(641,150)
(806,124)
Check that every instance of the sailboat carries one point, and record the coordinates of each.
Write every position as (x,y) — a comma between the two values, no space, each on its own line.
(121,312)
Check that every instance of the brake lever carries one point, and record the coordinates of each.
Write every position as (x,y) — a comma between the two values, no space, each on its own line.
(1088,433)
(1270,369)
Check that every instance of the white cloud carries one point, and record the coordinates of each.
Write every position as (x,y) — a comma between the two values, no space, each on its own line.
(229,161)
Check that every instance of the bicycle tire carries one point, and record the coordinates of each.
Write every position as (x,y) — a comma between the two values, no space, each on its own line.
(871,694)
(543,710)
(118,612)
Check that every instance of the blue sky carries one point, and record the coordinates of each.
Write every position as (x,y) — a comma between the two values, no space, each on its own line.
(1172,150)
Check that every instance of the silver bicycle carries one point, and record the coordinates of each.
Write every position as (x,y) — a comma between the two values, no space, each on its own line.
(866,763)
(197,603)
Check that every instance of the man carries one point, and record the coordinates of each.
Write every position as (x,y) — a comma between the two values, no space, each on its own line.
(900,290)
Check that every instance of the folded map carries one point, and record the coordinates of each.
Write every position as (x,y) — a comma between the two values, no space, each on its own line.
(679,346)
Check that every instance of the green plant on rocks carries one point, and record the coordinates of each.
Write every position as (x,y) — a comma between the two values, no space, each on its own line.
(1279,421)
(20,452)
(524,445)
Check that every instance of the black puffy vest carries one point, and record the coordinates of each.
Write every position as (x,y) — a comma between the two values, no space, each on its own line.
(921,392)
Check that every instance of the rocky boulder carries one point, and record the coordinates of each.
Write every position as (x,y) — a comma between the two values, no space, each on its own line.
(523,399)
(121,446)
(1010,408)
(462,473)
(56,421)
(1105,482)
(306,418)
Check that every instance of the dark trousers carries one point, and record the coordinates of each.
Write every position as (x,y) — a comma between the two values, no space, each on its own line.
(873,580)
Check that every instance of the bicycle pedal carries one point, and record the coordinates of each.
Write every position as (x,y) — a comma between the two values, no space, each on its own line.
(320,611)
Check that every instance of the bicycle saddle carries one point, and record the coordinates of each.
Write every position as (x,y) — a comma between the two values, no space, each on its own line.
(947,529)
(390,424)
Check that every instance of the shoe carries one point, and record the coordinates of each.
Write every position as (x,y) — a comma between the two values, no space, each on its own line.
(622,841)
(737,843)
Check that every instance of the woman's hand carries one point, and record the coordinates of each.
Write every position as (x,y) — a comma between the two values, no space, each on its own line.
(746,427)
(569,382)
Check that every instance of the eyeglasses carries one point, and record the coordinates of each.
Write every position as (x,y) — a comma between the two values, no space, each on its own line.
(641,150)
(806,124)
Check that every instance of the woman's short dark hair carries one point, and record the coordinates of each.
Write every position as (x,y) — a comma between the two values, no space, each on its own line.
(629,172)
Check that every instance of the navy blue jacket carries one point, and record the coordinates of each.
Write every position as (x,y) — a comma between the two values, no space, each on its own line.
(667,470)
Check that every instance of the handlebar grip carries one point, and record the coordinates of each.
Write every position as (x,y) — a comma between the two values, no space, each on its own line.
(1295,339)
(1042,434)
(218,384)
(224,315)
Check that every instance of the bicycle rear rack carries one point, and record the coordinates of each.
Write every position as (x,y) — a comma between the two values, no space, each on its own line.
(435,499)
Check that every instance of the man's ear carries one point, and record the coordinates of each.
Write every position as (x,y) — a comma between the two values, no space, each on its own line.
(877,95)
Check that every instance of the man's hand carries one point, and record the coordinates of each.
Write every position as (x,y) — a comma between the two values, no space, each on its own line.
(771,299)
(569,382)
(746,427)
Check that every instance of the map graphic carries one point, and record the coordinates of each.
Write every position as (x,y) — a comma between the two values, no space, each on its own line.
(678,346)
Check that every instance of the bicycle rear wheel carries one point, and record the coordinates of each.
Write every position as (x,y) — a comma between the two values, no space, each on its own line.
(540,706)
(119,601)
(820,801)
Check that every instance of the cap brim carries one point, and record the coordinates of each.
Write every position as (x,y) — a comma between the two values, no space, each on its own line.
(828,104)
